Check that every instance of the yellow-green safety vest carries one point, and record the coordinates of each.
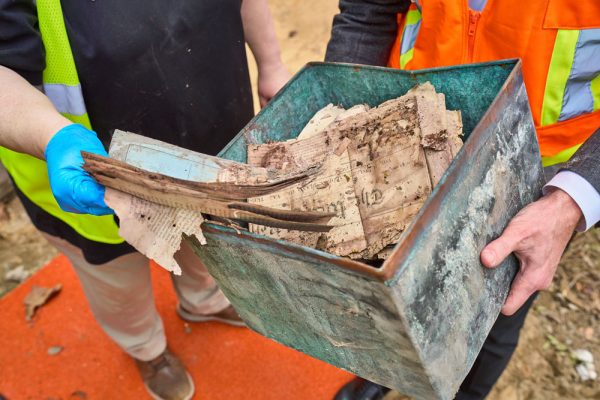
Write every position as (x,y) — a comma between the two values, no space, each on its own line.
(61,85)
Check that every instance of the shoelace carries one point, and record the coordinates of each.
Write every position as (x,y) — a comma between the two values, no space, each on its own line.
(159,363)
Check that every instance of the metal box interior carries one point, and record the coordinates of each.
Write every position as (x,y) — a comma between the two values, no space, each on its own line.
(417,323)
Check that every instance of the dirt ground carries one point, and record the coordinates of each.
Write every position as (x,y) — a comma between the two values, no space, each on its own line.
(21,245)
(564,318)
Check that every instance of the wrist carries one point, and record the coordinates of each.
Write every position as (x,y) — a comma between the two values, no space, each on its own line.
(72,136)
(566,206)
(270,64)
(50,129)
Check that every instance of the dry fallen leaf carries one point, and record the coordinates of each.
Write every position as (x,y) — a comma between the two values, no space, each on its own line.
(79,394)
(37,297)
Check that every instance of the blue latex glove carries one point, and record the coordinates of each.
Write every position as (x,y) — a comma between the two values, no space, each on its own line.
(74,189)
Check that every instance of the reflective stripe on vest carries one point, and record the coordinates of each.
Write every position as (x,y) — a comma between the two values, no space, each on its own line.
(408,30)
(67,99)
(409,35)
(573,82)
(561,71)
(62,87)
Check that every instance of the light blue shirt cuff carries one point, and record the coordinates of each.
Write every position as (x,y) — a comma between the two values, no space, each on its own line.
(582,192)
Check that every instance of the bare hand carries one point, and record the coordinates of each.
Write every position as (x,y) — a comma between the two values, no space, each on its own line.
(537,235)
(270,80)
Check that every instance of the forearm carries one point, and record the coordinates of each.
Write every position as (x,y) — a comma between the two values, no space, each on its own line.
(27,118)
(364,31)
(260,34)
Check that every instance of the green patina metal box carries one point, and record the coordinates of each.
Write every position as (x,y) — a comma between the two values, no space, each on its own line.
(417,323)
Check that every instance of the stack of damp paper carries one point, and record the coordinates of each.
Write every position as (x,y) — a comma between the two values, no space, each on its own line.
(378,167)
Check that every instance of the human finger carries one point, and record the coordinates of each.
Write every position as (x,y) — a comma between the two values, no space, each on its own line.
(523,286)
(497,250)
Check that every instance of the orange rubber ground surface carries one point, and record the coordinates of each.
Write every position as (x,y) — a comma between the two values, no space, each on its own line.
(226,362)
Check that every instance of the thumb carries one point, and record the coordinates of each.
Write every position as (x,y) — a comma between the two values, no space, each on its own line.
(496,251)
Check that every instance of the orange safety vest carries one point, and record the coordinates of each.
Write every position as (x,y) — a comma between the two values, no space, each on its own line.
(558,41)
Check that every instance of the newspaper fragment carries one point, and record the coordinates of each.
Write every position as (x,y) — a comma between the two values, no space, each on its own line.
(392,155)
(155,210)
(153,229)
(329,192)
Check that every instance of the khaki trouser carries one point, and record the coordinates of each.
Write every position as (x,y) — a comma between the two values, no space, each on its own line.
(120,296)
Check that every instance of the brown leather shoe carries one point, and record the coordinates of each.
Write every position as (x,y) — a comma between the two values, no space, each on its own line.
(165,378)
(227,316)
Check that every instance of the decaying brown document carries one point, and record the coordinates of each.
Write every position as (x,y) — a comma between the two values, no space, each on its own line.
(364,172)
(157,206)
(378,167)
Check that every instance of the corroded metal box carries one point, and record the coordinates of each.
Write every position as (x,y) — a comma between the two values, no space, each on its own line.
(417,323)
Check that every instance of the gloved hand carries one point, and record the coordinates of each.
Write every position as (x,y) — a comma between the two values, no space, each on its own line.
(74,189)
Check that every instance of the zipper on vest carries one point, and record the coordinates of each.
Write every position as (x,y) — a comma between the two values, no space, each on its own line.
(473,20)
